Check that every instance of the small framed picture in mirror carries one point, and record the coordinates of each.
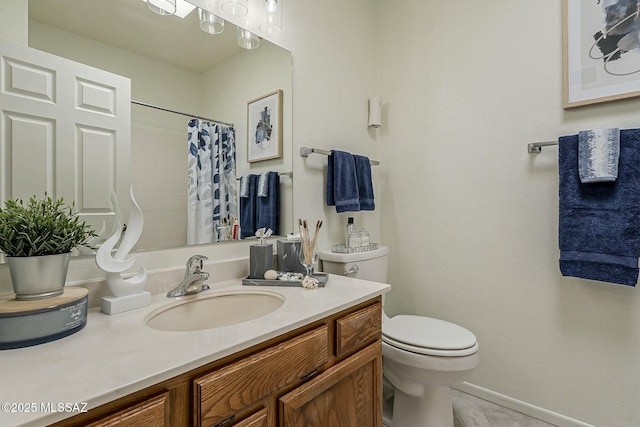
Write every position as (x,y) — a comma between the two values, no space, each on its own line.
(264,127)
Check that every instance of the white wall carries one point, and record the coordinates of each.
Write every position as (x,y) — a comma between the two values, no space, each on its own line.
(13,21)
(472,218)
(244,77)
(335,59)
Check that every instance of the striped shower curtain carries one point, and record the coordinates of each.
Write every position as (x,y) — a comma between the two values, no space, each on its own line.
(211,196)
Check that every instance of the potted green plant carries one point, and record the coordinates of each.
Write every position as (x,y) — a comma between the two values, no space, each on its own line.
(37,238)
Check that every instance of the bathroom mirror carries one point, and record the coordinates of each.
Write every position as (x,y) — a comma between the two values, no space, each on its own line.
(175,65)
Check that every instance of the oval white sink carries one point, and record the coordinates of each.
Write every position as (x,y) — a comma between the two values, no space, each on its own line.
(214,311)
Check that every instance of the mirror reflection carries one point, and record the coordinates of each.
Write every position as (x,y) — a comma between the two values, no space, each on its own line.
(175,65)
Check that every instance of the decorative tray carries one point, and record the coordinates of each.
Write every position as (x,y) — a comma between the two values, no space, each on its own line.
(344,249)
(322,279)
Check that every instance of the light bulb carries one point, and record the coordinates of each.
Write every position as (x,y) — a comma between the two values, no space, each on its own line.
(272,6)
(162,7)
(271,16)
(235,7)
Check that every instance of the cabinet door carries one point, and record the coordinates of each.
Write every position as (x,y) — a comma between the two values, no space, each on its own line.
(152,412)
(259,419)
(227,392)
(348,394)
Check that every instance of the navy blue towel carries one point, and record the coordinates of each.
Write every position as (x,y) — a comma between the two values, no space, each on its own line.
(268,204)
(342,184)
(248,207)
(599,223)
(365,183)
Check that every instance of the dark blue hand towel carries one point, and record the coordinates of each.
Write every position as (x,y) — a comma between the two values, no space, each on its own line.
(342,184)
(365,183)
(268,204)
(248,207)
(599,223)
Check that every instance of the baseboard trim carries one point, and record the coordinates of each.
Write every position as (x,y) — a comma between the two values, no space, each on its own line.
(520,406)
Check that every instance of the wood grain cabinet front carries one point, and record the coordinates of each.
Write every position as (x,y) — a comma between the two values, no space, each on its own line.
(259,419)
(357,329)
(151,412)
(230,390)
(347,394)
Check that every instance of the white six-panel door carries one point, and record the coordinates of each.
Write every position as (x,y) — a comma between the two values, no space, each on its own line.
(65,128)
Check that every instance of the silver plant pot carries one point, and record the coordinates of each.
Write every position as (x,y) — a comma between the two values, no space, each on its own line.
(37,277)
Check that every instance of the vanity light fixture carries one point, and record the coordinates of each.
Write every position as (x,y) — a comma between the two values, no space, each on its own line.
(162,7)
(210,23)
(247,39)
(235,7)
(271,16)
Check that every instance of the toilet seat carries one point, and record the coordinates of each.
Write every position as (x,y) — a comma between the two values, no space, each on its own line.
(428,336)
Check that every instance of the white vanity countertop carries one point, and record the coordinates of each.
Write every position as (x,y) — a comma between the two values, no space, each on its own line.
(114,356)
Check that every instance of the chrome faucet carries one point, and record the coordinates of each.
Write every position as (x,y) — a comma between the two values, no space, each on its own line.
(193,278)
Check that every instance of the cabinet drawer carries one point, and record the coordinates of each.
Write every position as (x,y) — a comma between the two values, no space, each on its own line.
(358,329)
(151,412)
(259,419)
(238,386)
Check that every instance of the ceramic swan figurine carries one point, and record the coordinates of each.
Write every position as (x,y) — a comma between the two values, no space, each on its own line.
(115,264)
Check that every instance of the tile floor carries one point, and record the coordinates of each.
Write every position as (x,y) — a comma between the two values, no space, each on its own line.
(470,411)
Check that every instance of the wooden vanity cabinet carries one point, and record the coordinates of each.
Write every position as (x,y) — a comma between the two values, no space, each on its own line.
(325,374)
(259,419)
(348,394)
(230,390)
(151,412)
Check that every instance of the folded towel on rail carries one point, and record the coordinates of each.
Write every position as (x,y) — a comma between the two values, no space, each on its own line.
(248,207)
(263,184)
(598,154)
(342,183)
(365,183)
(268,206)
(599,223)
(244,186)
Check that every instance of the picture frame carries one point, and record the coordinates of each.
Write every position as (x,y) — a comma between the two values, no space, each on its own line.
(264,127)
(601,59)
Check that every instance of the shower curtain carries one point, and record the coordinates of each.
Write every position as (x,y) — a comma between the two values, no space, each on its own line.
(211,180)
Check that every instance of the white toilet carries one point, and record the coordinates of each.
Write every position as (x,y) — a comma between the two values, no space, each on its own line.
(422,356)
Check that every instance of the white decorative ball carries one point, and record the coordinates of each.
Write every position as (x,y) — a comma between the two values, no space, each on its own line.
(271,275)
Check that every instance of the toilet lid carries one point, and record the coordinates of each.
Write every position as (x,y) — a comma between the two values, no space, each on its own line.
(427,333)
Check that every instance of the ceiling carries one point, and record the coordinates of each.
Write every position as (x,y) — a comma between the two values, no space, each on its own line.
(131,25)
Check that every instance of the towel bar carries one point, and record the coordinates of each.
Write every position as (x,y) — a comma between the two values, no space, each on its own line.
(288,174)
(536,147)
(305,151)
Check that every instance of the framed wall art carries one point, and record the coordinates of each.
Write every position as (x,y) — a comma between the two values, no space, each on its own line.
(601,51)
(264,127)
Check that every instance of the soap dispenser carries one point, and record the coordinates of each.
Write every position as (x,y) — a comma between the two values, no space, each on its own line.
(260,255)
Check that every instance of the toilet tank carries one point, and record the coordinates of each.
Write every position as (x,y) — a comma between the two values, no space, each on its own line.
(369,265)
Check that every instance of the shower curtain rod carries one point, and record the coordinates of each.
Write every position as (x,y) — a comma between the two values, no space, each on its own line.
(144,104)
